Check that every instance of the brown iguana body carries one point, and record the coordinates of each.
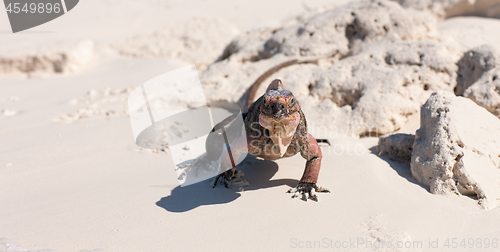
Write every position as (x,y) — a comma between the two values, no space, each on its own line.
(276,127)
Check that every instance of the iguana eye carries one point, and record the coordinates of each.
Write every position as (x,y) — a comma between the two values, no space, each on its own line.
(291,101)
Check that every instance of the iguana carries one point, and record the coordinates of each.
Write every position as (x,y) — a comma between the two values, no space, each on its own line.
(276,128)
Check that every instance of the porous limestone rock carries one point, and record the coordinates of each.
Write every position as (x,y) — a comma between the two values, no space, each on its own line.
(376,64)
(457,149)
(397,146)
(344,30)
(56,57)
(376,90)
(337,32)
(473,64)
(486,91)
(478,77)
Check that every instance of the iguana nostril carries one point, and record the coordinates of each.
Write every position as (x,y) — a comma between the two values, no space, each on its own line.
(278,107)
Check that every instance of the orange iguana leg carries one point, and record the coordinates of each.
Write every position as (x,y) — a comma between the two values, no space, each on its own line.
(312,153)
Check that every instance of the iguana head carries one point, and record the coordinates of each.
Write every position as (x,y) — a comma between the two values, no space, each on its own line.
(279,113)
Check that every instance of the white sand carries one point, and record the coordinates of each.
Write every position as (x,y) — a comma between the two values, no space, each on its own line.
(85,185)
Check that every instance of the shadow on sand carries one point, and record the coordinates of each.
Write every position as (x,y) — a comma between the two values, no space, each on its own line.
(402,169)
(258,173)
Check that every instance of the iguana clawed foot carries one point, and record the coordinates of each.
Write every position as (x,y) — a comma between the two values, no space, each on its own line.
(225,177)
(231,177)
(307,190)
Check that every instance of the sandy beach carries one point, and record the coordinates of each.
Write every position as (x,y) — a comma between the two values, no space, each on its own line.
(73,179)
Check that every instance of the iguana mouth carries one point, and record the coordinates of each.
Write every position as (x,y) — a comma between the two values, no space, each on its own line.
(281,130)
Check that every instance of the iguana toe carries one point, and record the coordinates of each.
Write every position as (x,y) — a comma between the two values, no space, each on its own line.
(307,191)
(231,177)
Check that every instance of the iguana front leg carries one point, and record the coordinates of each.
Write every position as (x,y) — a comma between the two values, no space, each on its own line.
(243,144)
(307,185)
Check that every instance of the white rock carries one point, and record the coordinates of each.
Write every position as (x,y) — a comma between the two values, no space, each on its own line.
(345,29)
(473,64)
(337,32)
(249,46)
(457,149)
(376,71)
(486,91)
(478,77)
(56,57)
(372,92)
(396,146)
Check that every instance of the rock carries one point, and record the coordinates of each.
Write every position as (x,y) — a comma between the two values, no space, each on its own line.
(372,92)
(397,147)
(199,41)
(336,32)
(376,90)
(457,149)
(344,30)
(452,8)
(249,46)
(374,67)
(486,91)
(478,77)
(473,64)
(56,57)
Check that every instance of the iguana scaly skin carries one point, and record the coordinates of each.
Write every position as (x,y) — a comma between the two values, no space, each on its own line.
(276,128)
